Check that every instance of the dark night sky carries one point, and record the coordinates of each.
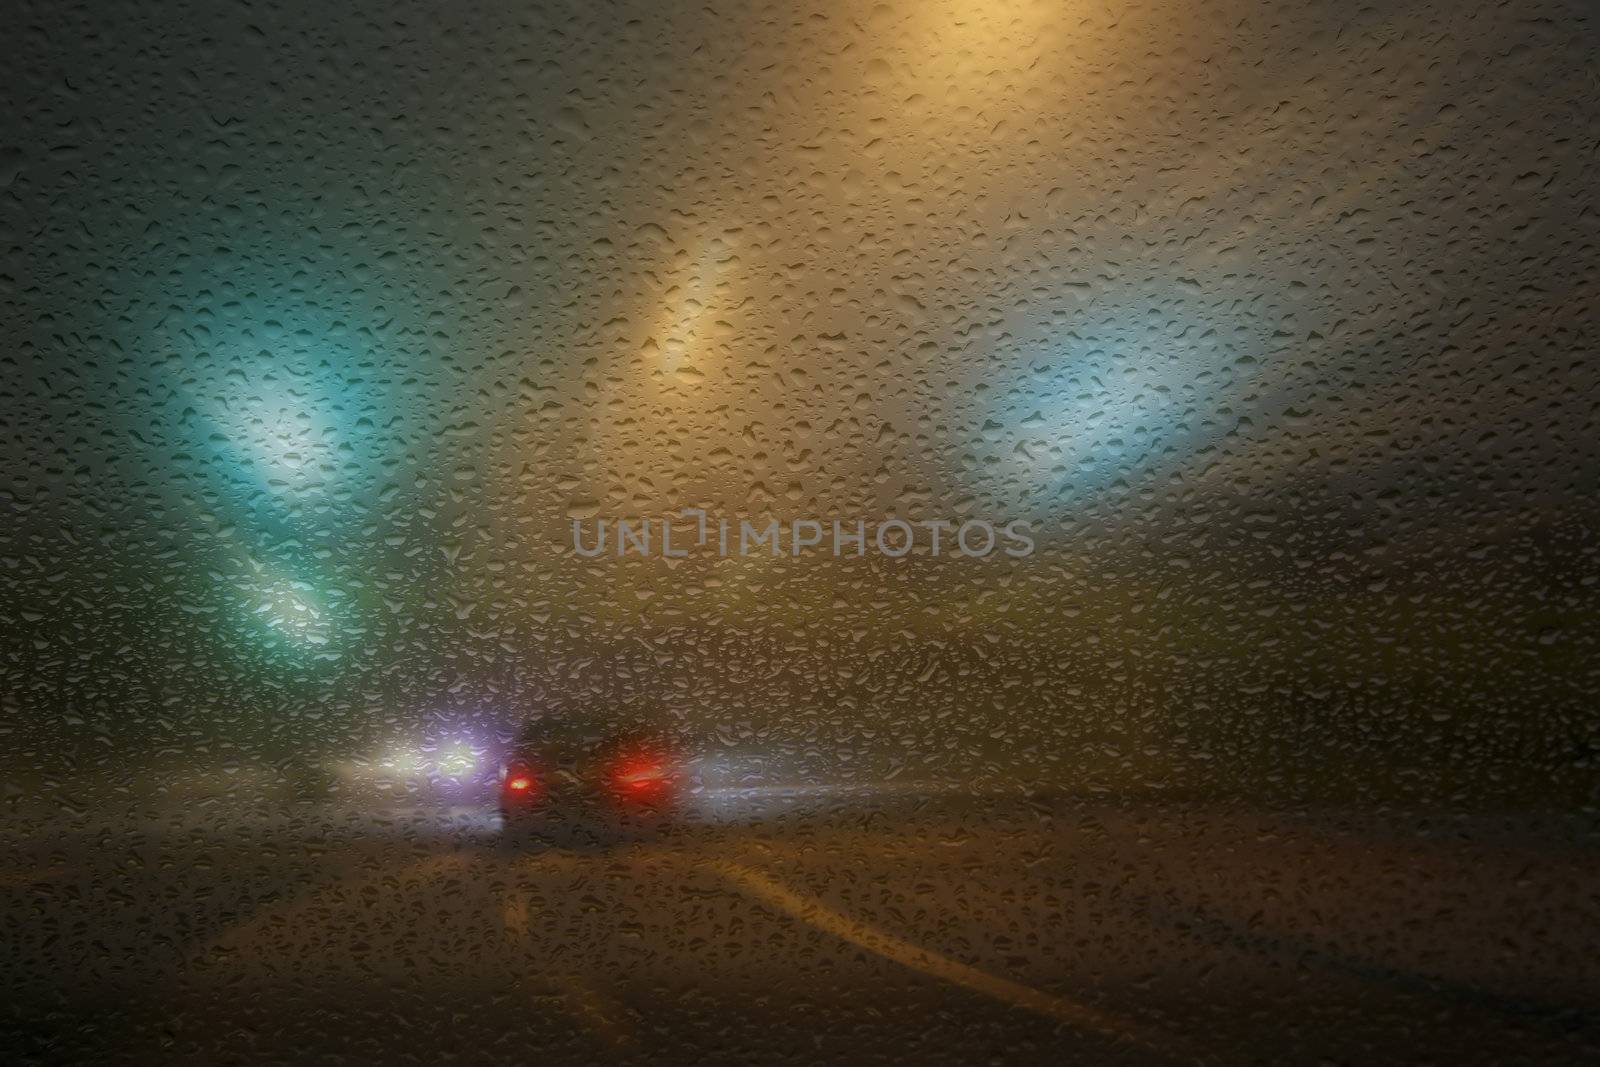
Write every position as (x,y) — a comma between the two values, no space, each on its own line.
(1274,321)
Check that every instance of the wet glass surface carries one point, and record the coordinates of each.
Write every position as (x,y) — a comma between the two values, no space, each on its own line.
(404,401)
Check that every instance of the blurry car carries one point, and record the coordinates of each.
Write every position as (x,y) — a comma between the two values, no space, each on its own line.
(590,776)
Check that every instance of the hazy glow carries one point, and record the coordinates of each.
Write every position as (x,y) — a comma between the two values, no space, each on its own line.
(1116,389)
(684,327)
(270,376)
(290,608)
(285,434)
(456,761)
(404,762)
(976,53)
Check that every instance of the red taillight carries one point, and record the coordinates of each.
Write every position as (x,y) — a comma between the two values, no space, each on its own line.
(519,778)
(641,773)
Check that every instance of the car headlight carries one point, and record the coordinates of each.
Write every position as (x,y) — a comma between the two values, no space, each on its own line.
(457,762)
(405,763)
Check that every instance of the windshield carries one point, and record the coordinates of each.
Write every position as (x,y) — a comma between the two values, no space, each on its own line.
(833,531)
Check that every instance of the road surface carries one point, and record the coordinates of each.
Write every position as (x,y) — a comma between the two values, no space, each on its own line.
(901,928)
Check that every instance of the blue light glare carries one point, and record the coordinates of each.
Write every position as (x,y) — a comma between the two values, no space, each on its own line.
(1109,396)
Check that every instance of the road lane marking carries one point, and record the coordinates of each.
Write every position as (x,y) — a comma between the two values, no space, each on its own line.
(592,1009)
(38,875)
(846,850)
(514,914)
(514,905)
(340,893)
(886,945)
(605,1015)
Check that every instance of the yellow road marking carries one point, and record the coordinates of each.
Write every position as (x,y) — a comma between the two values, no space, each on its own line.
(599,1013)
(845,848)
(514,913)
(550,858)
(338,893)
(514,906)
(878,942)
(604,1014)
(43,874)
